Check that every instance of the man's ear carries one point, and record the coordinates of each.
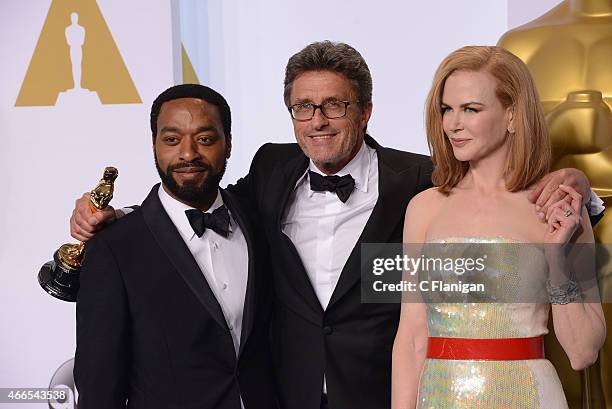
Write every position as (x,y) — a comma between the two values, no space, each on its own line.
(366,112)
(228,147)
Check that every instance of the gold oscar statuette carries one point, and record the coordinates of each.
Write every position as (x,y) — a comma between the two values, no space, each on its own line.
(60,277)
(569,53)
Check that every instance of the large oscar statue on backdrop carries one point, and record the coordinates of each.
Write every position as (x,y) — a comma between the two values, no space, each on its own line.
(569,53)
(60,277)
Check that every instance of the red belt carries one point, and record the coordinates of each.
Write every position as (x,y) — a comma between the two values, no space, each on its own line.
(498,349)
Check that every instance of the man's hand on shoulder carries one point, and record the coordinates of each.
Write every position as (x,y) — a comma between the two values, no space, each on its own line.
(84,223)
(546,192)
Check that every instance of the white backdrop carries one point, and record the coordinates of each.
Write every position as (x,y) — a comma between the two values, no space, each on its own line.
(50,154)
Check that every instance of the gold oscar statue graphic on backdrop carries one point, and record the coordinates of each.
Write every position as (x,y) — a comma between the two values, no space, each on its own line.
(569,53)
(76,59)
(60,277)
(75,38)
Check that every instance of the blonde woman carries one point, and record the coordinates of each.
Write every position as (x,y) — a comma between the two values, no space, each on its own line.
(489,145)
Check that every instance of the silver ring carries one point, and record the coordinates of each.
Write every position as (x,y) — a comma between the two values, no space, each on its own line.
(568,213)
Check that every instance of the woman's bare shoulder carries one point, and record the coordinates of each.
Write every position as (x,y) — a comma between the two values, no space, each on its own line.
(426,204)
(428,197)
(420,212)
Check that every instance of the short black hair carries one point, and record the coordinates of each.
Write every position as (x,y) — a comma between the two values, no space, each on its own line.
(193,91)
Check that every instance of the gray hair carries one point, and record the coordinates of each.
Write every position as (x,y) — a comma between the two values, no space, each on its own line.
(330,56)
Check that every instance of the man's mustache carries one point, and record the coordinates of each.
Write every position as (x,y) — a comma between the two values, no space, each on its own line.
(196,164)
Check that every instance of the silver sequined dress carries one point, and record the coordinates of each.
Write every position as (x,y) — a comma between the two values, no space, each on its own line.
(525,384)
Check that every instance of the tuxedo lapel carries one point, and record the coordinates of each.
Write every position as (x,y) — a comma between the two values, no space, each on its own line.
(286,180)
(171,243)
(253,280)
(290,173)
(385,216)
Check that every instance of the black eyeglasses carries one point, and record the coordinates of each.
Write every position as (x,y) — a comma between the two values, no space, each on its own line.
(330,109)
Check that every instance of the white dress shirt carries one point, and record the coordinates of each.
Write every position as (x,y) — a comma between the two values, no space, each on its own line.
(323,229)
(223,261)
(595,205)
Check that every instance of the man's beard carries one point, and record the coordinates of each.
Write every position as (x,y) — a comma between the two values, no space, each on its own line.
(191,191)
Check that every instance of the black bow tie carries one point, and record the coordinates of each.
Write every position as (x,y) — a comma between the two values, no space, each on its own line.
(218,221)
(341,185)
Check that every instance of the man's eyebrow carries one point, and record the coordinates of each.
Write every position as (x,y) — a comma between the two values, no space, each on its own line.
(206,129)
(302,101)
(169,129)
(309,101)
(334,99)
(199,130)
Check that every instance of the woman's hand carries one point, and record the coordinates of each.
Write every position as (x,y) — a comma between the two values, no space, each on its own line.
(564,217)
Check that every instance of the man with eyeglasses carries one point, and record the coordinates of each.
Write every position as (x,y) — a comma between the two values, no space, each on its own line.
(318,201)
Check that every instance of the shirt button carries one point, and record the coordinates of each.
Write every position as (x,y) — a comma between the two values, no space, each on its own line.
(231,327)
(216,246)
(224,286)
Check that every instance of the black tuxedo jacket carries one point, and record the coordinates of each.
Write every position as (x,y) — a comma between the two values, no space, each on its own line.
(150,330)
(350,342)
